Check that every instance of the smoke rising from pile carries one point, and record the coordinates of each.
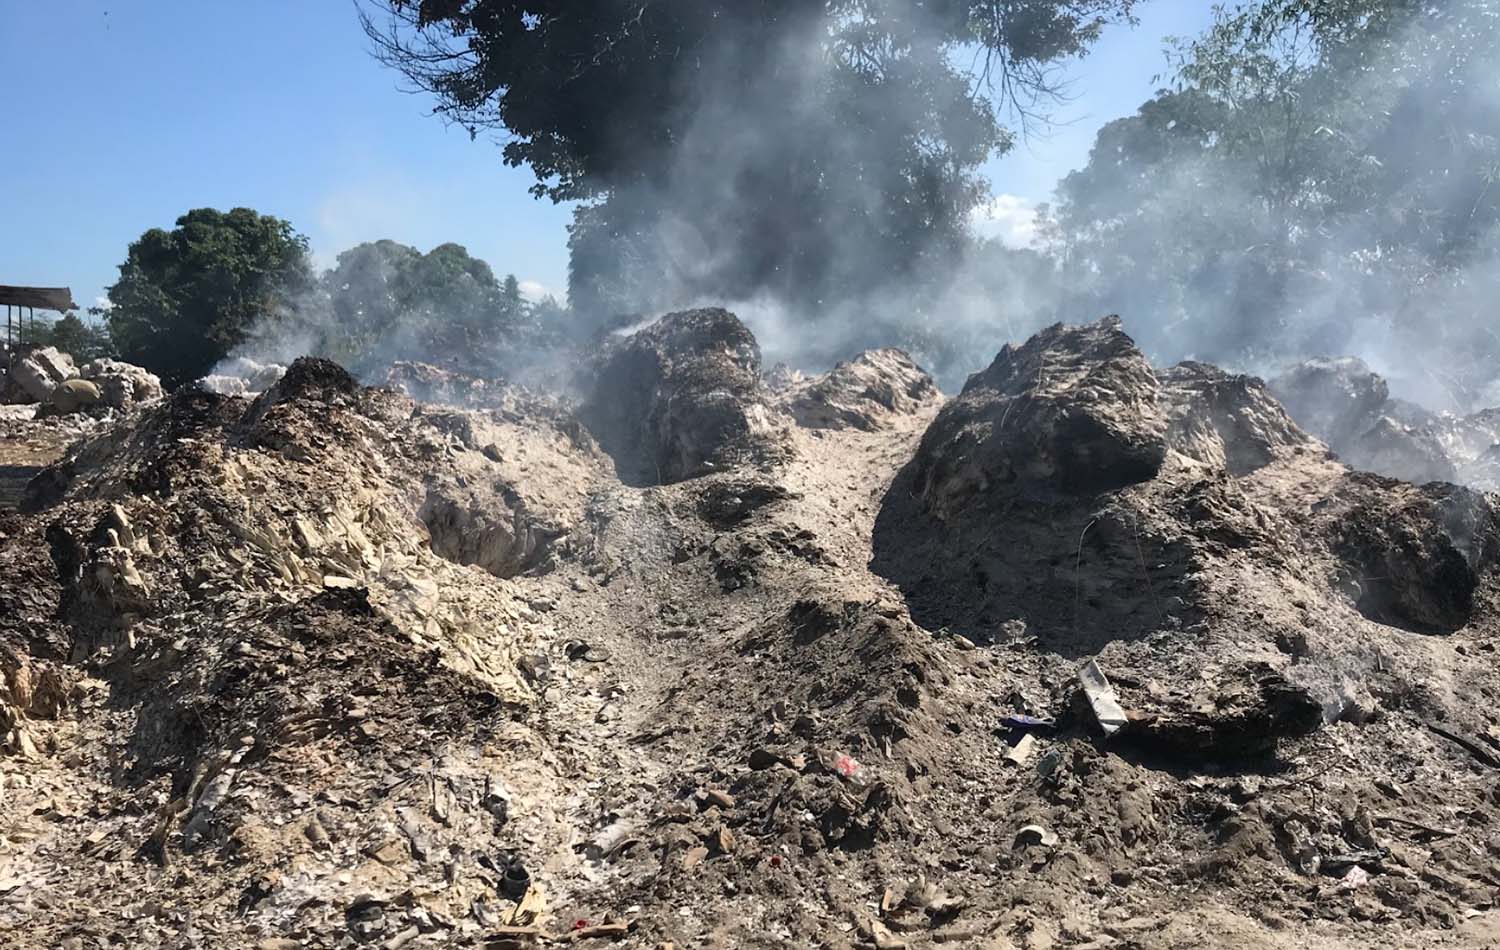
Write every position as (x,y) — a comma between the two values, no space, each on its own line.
(1327,192)
(1341,228)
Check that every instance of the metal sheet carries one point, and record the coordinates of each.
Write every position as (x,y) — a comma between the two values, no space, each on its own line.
(45,298)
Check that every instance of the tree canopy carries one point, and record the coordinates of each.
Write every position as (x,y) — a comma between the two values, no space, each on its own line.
(83,340)
(383,301)
(802,150)
(1321,177)
(186,297)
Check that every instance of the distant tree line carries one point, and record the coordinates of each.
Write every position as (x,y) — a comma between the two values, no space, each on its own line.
(221,281)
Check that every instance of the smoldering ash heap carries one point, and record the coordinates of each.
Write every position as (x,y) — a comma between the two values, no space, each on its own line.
(695,659)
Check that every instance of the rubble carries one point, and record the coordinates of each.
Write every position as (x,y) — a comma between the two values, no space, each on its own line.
(337,666)
(1344,403)
(122,385)
(33,373)
(681,398)
(859,393)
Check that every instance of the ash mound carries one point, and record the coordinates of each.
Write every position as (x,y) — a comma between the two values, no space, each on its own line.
(1093,653)
(1346,404)
(681,398)
(1075,495)
(862,393)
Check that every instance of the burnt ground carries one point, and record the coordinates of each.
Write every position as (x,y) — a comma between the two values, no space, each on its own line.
(330,667)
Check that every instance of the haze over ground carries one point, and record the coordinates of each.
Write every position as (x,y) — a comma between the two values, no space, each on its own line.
(133,114)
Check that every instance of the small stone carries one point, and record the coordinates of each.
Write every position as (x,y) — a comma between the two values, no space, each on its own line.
(694,857)
(763,759)
(724,840)
(714,796)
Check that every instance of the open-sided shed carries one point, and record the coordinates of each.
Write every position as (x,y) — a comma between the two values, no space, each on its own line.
(21,301)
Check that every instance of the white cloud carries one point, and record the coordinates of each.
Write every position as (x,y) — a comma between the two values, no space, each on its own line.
(103,303)
(535,290)
(1009,218)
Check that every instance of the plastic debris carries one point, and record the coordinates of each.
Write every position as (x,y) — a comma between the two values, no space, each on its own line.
(1020,723)
(847,766)
(1101,697)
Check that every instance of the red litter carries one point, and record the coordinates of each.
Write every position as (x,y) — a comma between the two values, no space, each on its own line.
(846,766)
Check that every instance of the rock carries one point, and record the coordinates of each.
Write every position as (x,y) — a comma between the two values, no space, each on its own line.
(74,395)
(861,393)
(37,373)
(122,385)
(681,398)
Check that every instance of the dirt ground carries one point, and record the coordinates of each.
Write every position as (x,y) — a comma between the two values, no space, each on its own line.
(334,667)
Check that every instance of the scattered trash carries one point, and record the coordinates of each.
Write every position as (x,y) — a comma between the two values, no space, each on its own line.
(528,910)
(723,840)
(1049,763)
(1020,723)
(1020,753)
(1336,864)
(847,766)
(535,667)
(515,880)
(1035,834)
(1355,878)
(714,796)
(1417,826)
(579,650)
(1304,852)
(606,929)
(884,939)
(1101,698)
(923,895)
(1469,744)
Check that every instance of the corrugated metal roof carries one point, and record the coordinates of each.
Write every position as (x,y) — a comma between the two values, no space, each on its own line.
(43,298)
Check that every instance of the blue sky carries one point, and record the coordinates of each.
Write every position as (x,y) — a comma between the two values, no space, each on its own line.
(128,113)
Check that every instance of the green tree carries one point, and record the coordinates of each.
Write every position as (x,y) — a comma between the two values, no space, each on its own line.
(83,340)
(1322,174)
(186,297)
(383,301)
(805,150)
(512,304)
